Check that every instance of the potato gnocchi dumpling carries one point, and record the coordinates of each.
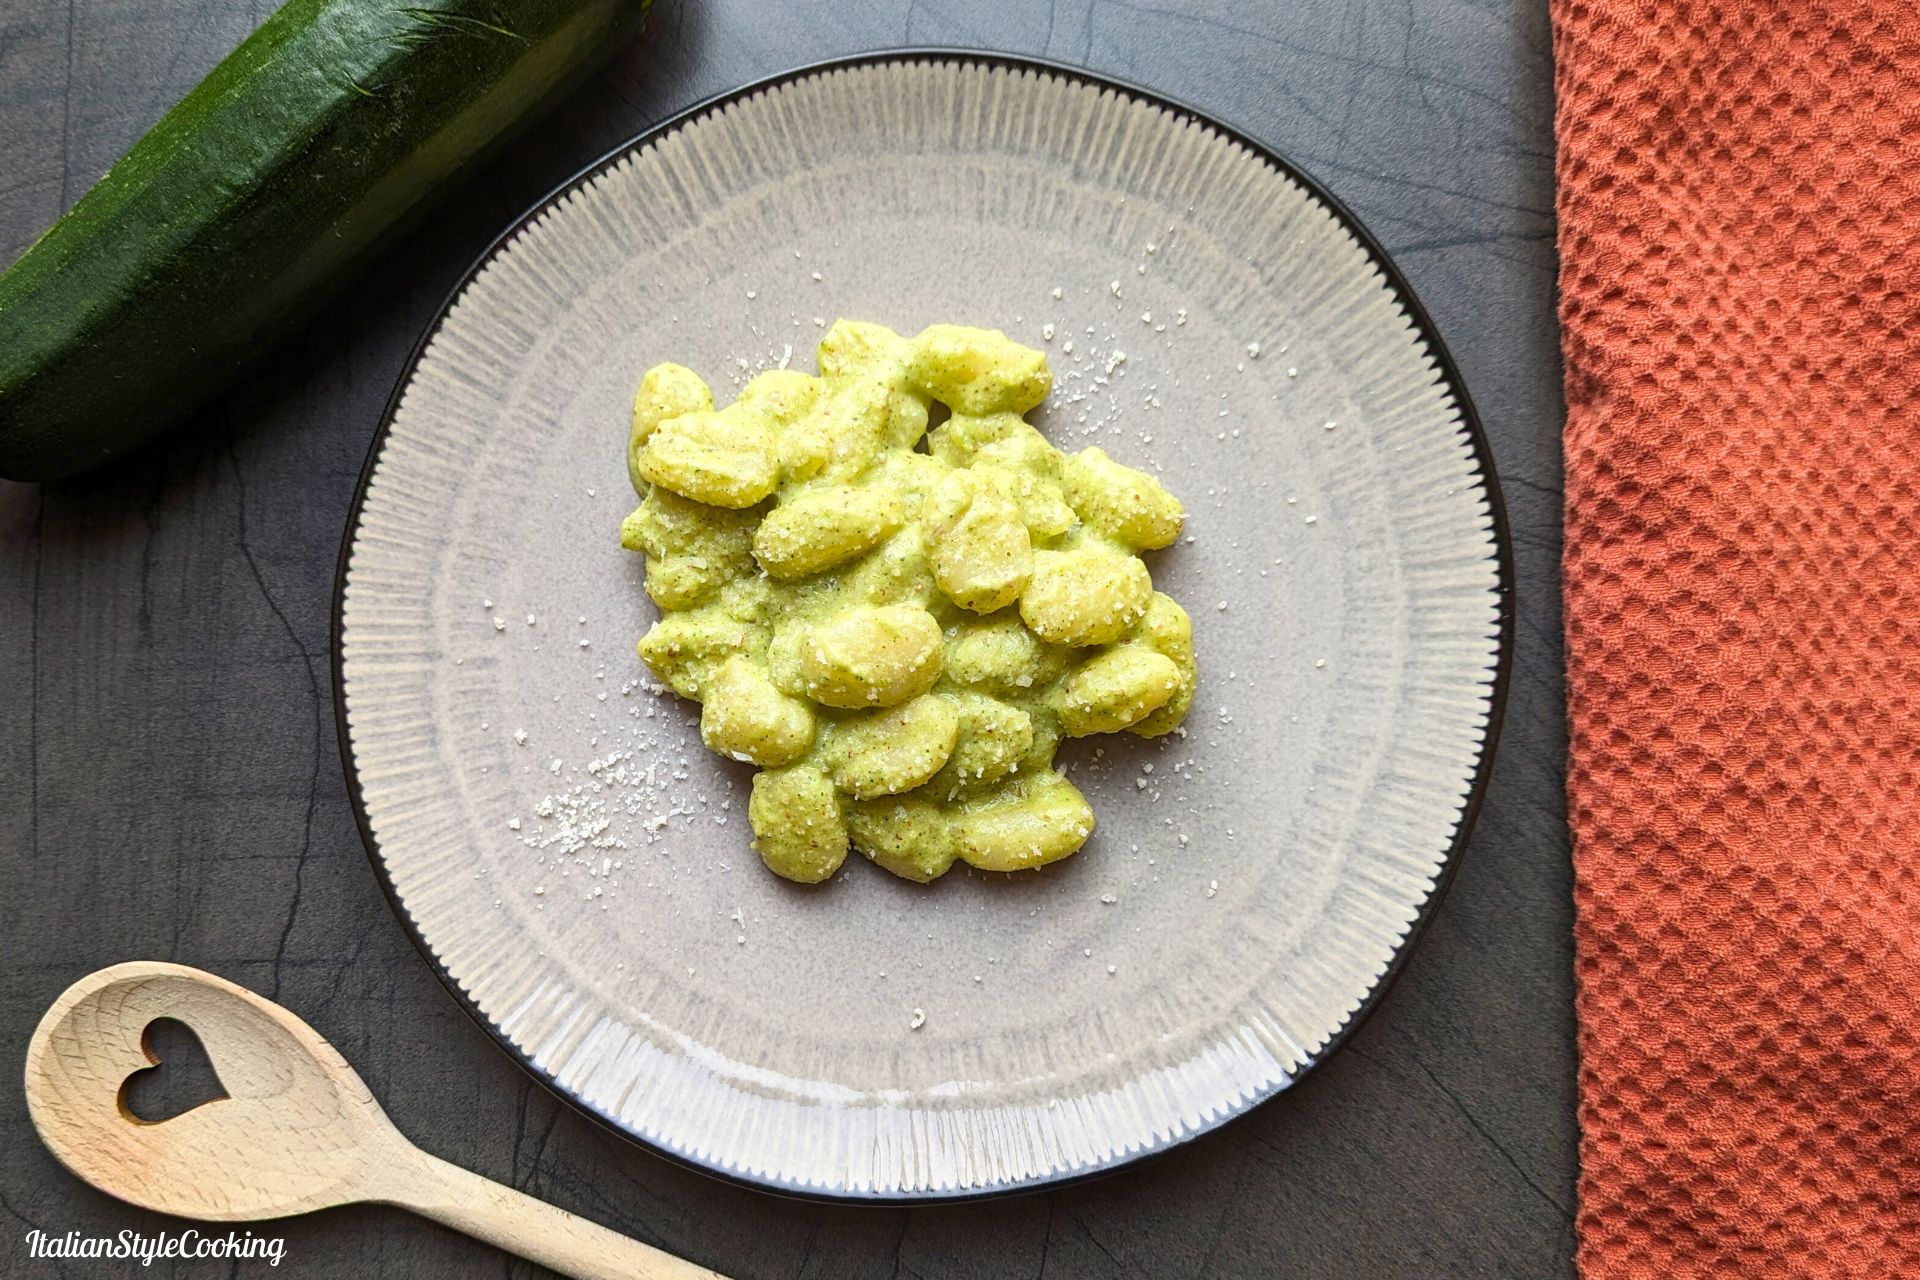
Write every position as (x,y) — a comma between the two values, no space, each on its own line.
(898,636)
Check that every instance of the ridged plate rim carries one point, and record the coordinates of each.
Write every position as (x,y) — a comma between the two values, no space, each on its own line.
(1435,349)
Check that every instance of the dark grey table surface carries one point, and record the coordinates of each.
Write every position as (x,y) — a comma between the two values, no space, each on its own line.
(171,787)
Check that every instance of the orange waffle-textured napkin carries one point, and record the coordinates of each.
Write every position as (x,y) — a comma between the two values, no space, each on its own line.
(1740,287)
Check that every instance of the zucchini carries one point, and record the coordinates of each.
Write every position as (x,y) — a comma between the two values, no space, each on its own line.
(248,204)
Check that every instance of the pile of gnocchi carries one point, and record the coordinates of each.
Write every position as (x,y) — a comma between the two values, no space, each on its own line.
(897,625)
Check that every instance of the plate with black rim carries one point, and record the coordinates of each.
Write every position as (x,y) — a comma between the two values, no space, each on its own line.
(577,867)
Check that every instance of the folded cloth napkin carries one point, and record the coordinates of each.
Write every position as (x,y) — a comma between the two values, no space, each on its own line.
(1739,203)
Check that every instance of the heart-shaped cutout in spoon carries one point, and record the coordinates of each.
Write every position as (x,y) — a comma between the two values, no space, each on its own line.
(181,1078)
(296,1131)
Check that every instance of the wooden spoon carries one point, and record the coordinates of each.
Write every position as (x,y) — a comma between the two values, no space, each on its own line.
(298,1130)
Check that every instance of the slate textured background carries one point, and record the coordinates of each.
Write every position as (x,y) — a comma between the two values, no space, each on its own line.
(171,787)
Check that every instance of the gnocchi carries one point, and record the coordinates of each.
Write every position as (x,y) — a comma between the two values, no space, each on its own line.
(898,637)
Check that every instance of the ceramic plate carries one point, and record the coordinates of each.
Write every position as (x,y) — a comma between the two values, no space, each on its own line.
(577,866)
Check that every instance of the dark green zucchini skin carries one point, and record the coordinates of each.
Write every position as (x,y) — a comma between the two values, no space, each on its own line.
(251,201)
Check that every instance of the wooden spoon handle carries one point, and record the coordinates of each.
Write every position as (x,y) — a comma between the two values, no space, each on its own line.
(535,1230)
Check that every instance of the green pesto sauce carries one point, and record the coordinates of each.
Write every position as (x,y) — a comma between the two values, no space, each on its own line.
(899,639)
